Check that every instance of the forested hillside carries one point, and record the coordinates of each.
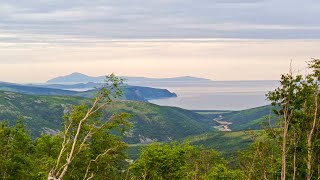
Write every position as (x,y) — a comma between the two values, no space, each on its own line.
(44,114)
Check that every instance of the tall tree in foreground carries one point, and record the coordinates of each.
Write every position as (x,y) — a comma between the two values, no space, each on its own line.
(286,98)
(297,106)
(289,148)
(87,141)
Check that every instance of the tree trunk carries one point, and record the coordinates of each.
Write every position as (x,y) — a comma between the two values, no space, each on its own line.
(295,139)
(310,136)
(309,163)
(284,151)
(294,165)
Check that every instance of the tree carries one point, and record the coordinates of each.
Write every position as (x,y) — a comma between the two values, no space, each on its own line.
(289,148)
(16,150)
(87,141)
(297,107)
(261,159)
(45,154)
(181,161)
(162,161)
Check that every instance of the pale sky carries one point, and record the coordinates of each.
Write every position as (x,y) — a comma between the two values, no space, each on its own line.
(215,39)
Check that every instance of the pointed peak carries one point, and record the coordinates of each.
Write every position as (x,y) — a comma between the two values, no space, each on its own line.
(77,74)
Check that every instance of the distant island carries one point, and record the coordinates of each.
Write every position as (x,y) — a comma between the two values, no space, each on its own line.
(82,78)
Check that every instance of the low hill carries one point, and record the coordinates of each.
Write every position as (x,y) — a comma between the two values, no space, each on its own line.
(249,119)
(33,90)
(254,118)
(43,114)
(135,93)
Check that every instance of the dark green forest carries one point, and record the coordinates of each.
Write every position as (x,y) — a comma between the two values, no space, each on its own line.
(96,137)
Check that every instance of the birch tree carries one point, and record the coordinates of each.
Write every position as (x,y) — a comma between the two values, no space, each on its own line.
(297,102)
(83,128)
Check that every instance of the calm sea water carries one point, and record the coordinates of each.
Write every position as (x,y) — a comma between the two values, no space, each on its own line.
(221,95)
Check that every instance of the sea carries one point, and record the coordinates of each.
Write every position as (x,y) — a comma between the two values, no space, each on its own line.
(217,95)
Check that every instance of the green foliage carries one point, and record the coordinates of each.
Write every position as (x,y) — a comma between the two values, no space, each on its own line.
(22,158)
(221,172)
(46,152)
(290,148)
(262,159)
(16,150)
(227,143)
(163,161)
(180,161)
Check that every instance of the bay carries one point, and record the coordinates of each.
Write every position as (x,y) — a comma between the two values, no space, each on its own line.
(217,95)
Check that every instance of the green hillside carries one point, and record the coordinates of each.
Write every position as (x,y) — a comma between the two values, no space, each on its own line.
(43,114)
(225,142)
(160,123)
(254,118)
(39,112)
(249,119)
(151,122)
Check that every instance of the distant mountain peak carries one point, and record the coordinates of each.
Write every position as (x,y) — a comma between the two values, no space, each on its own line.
(74,77)
(77,73)
(190,78)
(77,77)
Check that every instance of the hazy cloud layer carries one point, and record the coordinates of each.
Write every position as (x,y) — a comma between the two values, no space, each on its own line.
(213,59)
(73,20)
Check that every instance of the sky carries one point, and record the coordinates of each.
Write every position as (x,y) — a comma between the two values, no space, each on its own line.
(215,39)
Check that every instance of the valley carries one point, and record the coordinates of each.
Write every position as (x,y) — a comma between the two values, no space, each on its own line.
(151,123)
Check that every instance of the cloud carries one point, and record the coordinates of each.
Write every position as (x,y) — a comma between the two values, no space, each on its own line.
(143,19)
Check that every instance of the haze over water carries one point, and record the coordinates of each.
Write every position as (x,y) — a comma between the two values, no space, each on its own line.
(219,95)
